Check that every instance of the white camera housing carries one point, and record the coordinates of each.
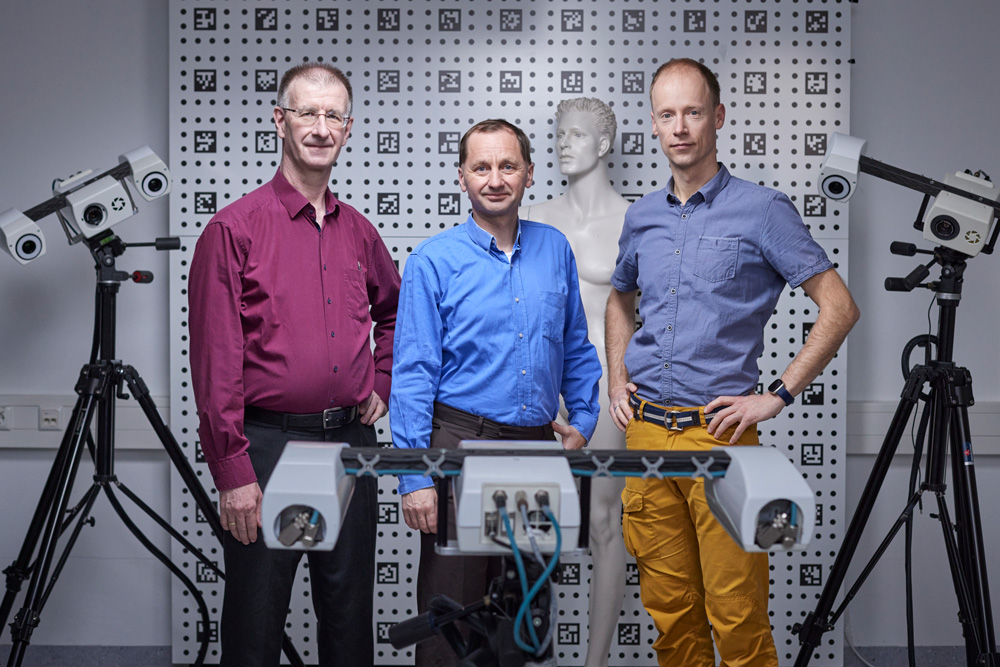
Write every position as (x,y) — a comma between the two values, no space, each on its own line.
(99,206)
(957,222)
(838,175)
(149,173)
(22,238)
(758,479)
(476,512)
(310,477)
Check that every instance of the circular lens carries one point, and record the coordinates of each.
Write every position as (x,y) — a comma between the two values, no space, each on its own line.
(944,227)
(94,214)
(154,184)
(28,246)
(836,187)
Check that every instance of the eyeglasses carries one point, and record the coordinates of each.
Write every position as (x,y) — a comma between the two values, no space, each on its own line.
(334,120)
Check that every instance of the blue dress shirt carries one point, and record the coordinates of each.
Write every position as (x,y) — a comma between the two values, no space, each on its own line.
(499,338)
(711,272)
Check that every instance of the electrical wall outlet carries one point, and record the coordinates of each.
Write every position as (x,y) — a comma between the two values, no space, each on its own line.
(5,417)
(48,419)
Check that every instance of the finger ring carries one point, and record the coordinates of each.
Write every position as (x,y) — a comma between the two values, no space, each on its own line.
(232,523)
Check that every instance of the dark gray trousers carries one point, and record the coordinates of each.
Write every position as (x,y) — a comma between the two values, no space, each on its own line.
(342,582)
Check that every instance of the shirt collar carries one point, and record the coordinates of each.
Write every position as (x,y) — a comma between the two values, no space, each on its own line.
(294,201)
(484,239)
(709,190)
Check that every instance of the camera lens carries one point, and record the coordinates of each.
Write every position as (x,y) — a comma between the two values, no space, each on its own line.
(94,214)
(944,227)
(153,184)
(836,187)
(28,247)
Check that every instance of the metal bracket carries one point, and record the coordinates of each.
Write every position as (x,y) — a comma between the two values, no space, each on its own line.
(434,467)
(367,466)
(652,469)
(601,468)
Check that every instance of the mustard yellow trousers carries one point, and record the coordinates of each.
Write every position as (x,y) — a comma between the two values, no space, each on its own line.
(695,581)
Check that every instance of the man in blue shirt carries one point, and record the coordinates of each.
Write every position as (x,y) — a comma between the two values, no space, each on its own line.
(490,331)
(711,254)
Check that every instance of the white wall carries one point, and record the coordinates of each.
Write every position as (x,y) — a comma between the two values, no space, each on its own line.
(83,82)
(923,93)
(87,81)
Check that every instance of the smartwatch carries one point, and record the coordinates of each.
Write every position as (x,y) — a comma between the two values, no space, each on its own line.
(778,389)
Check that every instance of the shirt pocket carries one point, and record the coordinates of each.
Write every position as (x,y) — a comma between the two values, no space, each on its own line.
(715,258)
(553,315)
(356,294)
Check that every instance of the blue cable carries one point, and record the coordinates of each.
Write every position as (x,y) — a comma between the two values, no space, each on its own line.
(523,576)
(539,583)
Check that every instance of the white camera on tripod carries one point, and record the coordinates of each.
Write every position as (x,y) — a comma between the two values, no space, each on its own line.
(97,206)
(149,173)
(838,175)
(958,222)
(22,238)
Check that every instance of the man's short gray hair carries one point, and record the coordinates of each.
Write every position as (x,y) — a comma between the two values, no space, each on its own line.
(607,124)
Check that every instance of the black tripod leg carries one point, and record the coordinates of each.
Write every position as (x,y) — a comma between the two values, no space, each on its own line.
(19,570)
(181,464)
(815,624)
(27,618)
(191,481)
(970,537)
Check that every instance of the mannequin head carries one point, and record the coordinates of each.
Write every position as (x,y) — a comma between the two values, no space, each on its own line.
(585,133)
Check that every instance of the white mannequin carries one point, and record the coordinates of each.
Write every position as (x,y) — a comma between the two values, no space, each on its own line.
(591,215)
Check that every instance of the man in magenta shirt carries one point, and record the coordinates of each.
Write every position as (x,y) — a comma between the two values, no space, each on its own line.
(285,286)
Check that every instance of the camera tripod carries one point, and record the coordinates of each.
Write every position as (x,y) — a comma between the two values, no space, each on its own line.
(101,381)
(945,417)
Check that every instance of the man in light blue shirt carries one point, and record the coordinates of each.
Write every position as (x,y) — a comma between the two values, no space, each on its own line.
(490,331)
(711,254)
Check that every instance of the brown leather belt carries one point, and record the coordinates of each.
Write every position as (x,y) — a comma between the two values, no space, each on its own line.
(488,427)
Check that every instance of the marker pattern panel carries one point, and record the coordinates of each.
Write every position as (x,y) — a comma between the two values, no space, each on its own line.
(423,72)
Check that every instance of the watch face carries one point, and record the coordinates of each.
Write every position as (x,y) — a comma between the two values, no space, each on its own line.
(775,385)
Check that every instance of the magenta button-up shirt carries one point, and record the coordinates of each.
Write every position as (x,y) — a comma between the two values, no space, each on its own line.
(280,316)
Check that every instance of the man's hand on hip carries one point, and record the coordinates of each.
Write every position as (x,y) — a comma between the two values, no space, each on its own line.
(371,409)
(742,412)
(571,437)
(621,411)
(420,509)
(239,510)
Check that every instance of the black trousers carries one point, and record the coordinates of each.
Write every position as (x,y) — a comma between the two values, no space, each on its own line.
(464,579)
(342,582)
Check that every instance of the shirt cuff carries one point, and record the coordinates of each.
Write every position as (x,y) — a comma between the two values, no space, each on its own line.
(585,424)
(411,483)
(232,473)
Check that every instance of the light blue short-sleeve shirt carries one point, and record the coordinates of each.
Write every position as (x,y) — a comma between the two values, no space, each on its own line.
(711,271)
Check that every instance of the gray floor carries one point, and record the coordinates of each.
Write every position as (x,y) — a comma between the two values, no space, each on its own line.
(159,656)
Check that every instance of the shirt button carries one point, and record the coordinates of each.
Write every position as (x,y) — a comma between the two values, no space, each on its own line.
(520,335)
(524,407)
(673,291)
(667,365)
(329,300)
(676,252)
(524,372)
(670,327)
(684,216)
(332,335)
(334,369)
(517,299)
(324,267)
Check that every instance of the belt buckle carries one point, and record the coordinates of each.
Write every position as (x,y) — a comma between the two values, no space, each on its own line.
(329,417)
(670,420)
